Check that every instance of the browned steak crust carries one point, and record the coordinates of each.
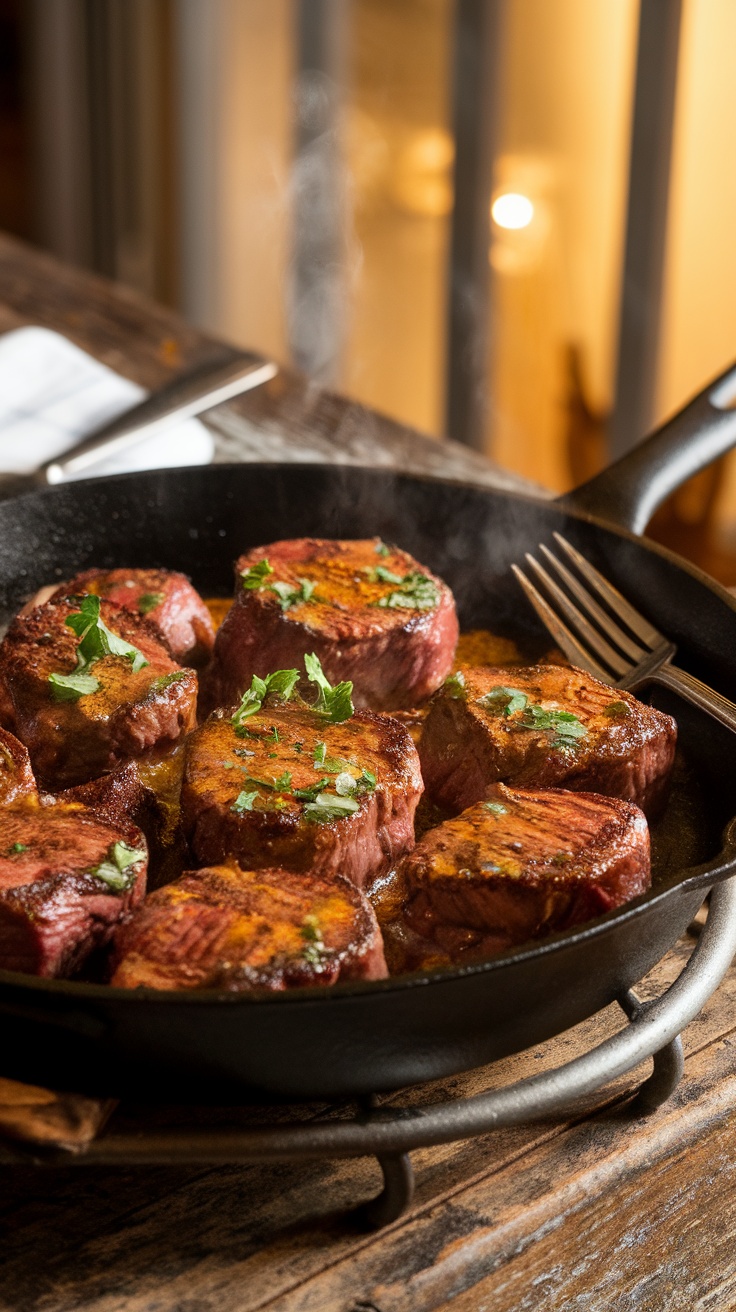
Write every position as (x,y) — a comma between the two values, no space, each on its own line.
(16,776)
(226,928)
(71,742)
(470,740)
(166,597)
(278,755)
(54,911)
(521,864)
(395,641)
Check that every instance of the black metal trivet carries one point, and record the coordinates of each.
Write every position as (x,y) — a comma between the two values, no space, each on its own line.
(390,1133)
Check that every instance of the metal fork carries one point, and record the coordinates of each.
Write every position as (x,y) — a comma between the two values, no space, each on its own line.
(625,651)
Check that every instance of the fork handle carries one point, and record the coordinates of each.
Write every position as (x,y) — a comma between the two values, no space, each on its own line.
(697,692)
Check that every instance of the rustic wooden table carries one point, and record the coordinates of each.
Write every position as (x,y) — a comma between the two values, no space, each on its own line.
(603,1210)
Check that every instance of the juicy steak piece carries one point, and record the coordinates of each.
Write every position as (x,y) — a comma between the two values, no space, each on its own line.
(16,775)
(394,640)
(131,713)
(166,598)
(225,928)
(54,909)
(239,797)
(521,864)
(494,725)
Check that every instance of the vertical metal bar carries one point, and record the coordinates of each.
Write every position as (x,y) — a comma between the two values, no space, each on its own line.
(475,100)
(317,292)
(646,222)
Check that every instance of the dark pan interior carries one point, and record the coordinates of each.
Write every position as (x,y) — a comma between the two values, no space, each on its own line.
(368,1036)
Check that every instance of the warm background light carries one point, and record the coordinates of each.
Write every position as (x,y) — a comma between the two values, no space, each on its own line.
(512,210)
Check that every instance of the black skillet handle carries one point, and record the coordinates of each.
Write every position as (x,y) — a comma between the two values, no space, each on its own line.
(628,492)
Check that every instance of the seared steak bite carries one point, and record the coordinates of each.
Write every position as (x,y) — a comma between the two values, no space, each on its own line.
(226,928)
(66,879)
(167,599)
(91,686)
(16,775)
(523,863)
(288,786)
(543,726)
(371,613)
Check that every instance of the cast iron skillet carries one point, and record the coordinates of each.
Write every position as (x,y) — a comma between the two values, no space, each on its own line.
(377,1036)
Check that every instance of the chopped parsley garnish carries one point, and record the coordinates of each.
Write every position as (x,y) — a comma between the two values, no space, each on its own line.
(496,808)
(414,592)
(227,765)
(280,785)
(335,704)
(16,848)
(314,948)
(117,872)
(455,684)
(320,751)
(95,641)
(272,736)
(311,793)
(166,680)
(379,574)
(290,595)
(504,701)
(616,708)
(243,802)
(149,601)
(328,806)
(256,576)
(279,684)
(69,687)
(382,549)
(567,728)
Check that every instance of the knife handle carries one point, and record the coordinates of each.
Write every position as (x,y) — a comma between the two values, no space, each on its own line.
(181,399)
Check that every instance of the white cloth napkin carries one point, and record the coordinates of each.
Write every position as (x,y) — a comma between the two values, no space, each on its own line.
(52,394)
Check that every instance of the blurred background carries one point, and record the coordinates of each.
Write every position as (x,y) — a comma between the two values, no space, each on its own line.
(510,222)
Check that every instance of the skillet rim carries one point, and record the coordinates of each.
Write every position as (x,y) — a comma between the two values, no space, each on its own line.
(686,881)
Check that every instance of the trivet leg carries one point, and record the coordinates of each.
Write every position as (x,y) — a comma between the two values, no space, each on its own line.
(669,1064)
(396,1195)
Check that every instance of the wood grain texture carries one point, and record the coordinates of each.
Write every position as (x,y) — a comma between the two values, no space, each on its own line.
(602,1211)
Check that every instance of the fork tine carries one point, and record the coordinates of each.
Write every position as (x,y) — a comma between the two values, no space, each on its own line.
(578,654)
(625,611)
(585,629)
(605,622)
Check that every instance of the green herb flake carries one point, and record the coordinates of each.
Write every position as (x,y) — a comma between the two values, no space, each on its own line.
(311,793)
(298,747)
(166,680)
(503,701)
(328,806)
(380,574)
(95,641)
(272,736)
(335,704)
(616,708)
(568,729)
(320,751)
(70,687)
(290,595)
(496,808)
(16,848)
(367,781)
(455,684)
(243,802)
(381,549)
(255,577)
(414,592)
(314,948)
(149,601)
(227,765)
(117,871)
(279,684)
